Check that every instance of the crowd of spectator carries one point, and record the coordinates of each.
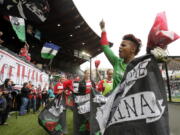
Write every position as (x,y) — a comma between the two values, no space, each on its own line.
(28,99)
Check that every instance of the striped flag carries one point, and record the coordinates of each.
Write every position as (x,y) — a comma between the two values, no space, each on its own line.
(49,50)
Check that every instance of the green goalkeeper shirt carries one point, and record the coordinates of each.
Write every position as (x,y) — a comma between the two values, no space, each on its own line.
(118,64)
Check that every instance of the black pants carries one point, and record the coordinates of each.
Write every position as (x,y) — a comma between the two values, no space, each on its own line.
(3,116)
(4,113)
(78,121)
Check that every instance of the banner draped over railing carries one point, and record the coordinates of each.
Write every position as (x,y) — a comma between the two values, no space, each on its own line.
(19,70)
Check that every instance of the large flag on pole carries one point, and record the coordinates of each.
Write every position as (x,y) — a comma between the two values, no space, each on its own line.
(140,107)
(49,50)
(18,25)
(137,106)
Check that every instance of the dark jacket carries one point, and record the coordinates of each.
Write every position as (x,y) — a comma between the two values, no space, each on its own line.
(8,89)
(25,92)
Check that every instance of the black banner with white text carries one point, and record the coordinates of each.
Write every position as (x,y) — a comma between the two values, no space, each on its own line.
(140,107)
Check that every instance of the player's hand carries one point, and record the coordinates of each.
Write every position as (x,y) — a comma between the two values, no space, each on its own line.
(102,25)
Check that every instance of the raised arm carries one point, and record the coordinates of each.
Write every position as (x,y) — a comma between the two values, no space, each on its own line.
(105,45)
(98,74)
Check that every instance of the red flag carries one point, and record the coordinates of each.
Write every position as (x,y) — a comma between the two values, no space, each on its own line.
(68,85)
(97,63)
(50,125)
(159,35)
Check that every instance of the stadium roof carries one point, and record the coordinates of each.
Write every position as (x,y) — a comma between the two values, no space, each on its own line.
(65,27)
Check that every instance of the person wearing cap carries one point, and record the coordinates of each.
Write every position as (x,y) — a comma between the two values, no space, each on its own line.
(129,48)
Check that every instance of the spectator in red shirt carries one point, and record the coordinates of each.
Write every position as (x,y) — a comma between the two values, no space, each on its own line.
(24,52)
(58,88)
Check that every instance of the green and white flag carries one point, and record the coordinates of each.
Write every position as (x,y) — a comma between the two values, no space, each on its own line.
(18,25)
(49,50)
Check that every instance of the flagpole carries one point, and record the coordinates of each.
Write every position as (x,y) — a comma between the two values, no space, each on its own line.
(90,68)
(50,64)
(168,82)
